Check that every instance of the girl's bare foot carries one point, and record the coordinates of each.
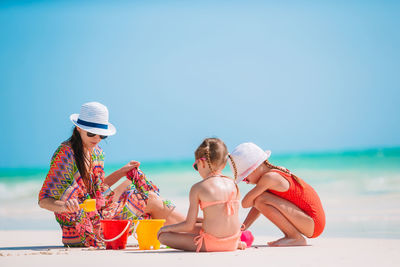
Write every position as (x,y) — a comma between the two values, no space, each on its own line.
(242,245)
(288,241)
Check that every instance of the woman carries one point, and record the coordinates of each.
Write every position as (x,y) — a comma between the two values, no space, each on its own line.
(77,173)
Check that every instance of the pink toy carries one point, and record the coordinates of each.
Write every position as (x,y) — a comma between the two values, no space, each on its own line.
(247,237)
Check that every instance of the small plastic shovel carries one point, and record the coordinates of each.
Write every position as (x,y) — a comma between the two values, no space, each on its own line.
(88,205)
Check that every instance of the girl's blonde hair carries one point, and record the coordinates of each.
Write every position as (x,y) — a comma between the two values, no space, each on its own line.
(233,166)
(297,179)
(215,152)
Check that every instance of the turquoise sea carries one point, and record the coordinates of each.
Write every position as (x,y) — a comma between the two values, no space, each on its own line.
(360,191)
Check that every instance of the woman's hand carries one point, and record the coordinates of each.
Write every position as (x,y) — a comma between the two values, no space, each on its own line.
(115,176)
(51,204)
(71,205)
(131,165)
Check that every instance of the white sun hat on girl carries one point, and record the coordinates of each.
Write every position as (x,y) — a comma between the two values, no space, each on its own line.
(247,157)
(94,119)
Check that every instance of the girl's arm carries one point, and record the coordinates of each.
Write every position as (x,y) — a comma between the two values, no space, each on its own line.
(263,184)
(189,224)
(115,176)
(251,217)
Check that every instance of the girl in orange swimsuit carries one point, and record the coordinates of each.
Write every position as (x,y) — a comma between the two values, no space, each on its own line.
(286,200)
(218,197)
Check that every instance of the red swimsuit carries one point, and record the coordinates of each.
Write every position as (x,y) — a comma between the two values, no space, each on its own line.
(305,198)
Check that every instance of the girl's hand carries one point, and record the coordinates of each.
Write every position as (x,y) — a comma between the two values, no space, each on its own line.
(71,205)
(131,165)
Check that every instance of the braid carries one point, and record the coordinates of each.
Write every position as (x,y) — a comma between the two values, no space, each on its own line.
(207,152)
(216,152)
(234,166)
(269,165)
(297,179)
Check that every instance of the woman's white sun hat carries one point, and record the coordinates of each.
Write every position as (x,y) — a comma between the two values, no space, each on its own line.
(94,119)
(247,157)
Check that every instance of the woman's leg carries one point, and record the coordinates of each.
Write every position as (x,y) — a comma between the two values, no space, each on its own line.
(138,203)
(145,197)
(158,210)
(120,189)
(155,206)
(290,219)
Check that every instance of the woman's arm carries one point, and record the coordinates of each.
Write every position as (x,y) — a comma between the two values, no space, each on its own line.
(115,176)
(189,224)
(51,204)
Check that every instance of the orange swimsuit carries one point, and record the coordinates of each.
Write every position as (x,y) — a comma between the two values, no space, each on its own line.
(212,243)
(305,198)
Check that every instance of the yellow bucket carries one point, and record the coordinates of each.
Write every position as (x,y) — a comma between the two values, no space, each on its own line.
(88,205)
(145,231)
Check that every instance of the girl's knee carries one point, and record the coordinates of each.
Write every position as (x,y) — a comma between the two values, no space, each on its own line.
(261,201)
(166,239)
(162,238)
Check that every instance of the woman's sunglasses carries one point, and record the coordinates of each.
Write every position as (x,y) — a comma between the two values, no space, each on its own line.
(195,163)
(93,135)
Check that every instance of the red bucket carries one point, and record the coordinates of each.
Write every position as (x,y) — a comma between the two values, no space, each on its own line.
(115,233)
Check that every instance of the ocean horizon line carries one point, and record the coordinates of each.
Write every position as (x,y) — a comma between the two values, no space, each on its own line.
(382,152)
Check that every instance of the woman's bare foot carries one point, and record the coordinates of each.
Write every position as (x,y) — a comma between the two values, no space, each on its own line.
(242,245)
(288,241)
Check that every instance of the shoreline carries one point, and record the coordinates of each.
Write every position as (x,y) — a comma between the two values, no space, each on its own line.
(17,248)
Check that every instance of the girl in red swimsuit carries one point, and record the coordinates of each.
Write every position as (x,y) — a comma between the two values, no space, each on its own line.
(218,197)
(286,200)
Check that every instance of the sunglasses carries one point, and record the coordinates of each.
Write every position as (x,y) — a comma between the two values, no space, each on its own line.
(93,135)
(195,163)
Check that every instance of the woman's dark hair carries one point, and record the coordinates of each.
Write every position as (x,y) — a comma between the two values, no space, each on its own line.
(80,159)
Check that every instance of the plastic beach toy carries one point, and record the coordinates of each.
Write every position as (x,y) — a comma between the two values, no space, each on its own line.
(247,237)
(88,205)
(115,233)
(145,231)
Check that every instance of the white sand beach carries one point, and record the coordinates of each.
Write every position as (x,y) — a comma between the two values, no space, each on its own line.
(44,248)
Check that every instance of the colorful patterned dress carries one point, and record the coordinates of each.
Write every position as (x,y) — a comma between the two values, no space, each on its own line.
(63,182)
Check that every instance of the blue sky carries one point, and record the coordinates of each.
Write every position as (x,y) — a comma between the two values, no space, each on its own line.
(291,76)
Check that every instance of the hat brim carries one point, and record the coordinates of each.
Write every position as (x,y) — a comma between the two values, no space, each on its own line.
(107,132)
(255,166)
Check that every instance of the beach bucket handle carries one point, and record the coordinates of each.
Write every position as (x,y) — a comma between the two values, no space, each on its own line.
(135,226)
(118,236)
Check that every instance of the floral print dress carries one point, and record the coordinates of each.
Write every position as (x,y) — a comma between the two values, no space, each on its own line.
(63,182)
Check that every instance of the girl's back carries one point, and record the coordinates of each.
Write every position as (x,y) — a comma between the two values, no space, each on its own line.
(219,199)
